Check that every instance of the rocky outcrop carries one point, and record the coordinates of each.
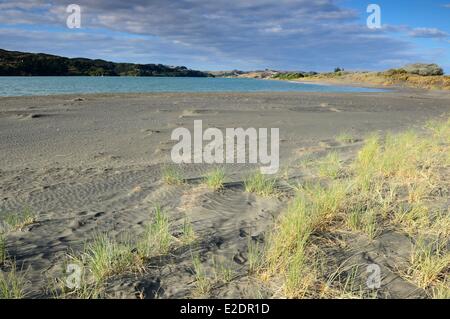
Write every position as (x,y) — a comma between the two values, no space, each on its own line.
(423,69)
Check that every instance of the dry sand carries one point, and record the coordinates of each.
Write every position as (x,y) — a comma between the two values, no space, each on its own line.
(90,164)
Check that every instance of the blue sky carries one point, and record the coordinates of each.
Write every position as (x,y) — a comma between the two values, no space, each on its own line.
(229,34)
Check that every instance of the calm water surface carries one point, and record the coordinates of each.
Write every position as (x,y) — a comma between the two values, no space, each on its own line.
(18,86)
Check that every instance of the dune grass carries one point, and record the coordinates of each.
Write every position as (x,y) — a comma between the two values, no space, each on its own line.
(12,284)
(261,185)
(314,210)
(386,78)
(157,238)
(364,221)
(202,283)
(223,272)
(345,138)
(389,183)
(440,225)
(404,158)
(440,129)
(172,176)
(87,289)
(255,253)
(104,257)
(441,290)
(18,221)
(429,263)
(188,235)
(301,273)
(3,252)
(363,166)
(399,173)
(287,254)
(215,179)
(330,166)
(346,283)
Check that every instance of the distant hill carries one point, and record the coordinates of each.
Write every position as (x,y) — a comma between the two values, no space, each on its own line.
(14,63)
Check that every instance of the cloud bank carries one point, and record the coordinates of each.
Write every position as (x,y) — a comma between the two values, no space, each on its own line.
(219,34)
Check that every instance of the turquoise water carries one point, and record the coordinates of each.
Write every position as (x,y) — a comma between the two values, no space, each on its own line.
(17,86)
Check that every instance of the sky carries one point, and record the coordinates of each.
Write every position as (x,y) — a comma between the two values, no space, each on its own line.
(307,35)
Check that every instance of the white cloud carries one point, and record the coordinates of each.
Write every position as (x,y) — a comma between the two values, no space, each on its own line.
(428,33)
(288,34)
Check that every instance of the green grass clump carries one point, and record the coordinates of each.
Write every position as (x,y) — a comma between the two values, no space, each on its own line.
(3,252)
(19,221)
(202,283)
(261,185)
(364,221)
(312,210)
(325,201)
(254,256)
(370,225)
(429,262)
(300,274)
(403,157)
(391,181)
(215,179)
(87,290)
(441,290)
(157,238)
(105,257)
(330,166)
(12,284)
(222,272)
(345,138)
(364,165)
(188,234)
(440,130)
(172,176)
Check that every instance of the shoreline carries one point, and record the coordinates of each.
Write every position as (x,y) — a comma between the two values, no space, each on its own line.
(196,88)
(397,88)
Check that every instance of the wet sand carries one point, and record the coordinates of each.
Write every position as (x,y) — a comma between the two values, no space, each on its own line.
(92,163)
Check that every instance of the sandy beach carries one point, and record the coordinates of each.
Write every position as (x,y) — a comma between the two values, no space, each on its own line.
(89,164)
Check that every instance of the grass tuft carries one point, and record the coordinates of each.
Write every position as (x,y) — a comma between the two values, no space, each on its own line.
(59,290)
(222,272)
(440,130)
(3,251)
(12,284)
(330,166)
(254,256)
(364,221)
(345,138)
(157,238)
(202,283)
(172,176)
(261,185)
(188,234)
(313,208)
(215,179)
(391,182)
(19,221)
(104,257)
(441,290)
(429,261)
